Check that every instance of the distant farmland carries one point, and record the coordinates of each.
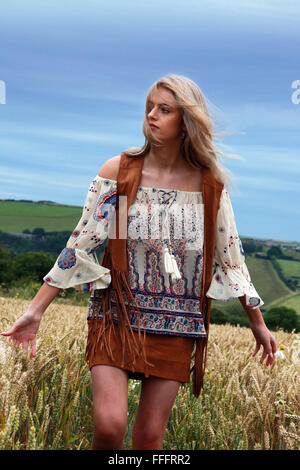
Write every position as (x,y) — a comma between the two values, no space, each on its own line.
(16,216)
(267,279)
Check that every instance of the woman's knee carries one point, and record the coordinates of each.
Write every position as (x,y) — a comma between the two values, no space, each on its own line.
(109,426)
(110,395)
(149,433)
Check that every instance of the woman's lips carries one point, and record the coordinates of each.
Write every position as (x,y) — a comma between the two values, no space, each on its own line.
(153,126)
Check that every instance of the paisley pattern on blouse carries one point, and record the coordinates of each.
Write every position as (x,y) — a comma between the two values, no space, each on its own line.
(67,258)
(168,306)
(105,207)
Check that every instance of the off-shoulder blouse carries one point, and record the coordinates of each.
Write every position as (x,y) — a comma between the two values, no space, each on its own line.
(78,264)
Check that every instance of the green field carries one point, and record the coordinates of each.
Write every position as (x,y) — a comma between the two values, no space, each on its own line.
(16,216)
(295,254)
(290,268)
(292,301)
(266,280)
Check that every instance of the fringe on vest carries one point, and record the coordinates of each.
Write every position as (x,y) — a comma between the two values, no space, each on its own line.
(200,357)
(132,349)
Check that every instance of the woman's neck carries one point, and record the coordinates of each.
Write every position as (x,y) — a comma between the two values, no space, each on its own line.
(167,160)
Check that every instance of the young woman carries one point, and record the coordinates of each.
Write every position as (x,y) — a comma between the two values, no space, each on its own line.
(165,287)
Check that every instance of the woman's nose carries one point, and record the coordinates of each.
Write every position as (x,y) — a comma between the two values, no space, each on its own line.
(152,112)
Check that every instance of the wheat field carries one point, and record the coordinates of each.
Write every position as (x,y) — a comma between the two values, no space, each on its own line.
(46,402)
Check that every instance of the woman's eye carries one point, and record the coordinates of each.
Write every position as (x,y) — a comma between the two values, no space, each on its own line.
(163,109)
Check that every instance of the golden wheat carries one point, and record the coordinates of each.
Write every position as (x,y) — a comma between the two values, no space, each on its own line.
(46,402)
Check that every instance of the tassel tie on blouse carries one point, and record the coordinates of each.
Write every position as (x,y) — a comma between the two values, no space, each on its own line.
(170,264)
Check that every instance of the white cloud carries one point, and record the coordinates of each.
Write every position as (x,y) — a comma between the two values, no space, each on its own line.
(67,134)
(265,183)
(32,178)
(268,116)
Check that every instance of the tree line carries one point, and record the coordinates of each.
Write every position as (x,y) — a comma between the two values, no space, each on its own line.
(47,242)
(275,318)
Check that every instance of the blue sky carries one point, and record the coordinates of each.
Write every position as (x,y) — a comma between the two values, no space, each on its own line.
(77,75)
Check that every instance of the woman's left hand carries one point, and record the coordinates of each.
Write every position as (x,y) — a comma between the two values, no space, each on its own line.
(265,339)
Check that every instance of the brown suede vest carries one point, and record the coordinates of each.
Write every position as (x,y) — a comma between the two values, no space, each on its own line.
(115,258)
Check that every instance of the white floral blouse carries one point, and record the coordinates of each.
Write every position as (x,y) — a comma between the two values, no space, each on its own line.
(168,304)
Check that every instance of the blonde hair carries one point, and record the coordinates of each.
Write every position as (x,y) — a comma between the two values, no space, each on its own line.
(197,147)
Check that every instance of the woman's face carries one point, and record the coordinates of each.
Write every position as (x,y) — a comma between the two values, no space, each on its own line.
(164,113)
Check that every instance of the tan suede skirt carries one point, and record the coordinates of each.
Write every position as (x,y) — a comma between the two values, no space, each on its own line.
(170,356)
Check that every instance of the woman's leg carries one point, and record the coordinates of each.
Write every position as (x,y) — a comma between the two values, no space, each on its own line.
(156,402)
(110,404)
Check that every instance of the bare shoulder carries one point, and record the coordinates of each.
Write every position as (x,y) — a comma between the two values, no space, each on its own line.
(110,168)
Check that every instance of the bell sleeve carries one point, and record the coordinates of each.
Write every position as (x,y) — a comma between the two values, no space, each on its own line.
(231,278)
(77,265)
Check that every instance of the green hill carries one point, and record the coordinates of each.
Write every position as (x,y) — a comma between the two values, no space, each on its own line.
(264,276)
(292,301)
(290,268)
(16,216)
(268,285)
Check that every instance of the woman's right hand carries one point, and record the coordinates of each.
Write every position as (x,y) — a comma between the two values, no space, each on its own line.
(24,331)
(25,328)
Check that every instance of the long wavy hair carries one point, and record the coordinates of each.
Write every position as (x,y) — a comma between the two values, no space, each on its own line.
(197,146)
